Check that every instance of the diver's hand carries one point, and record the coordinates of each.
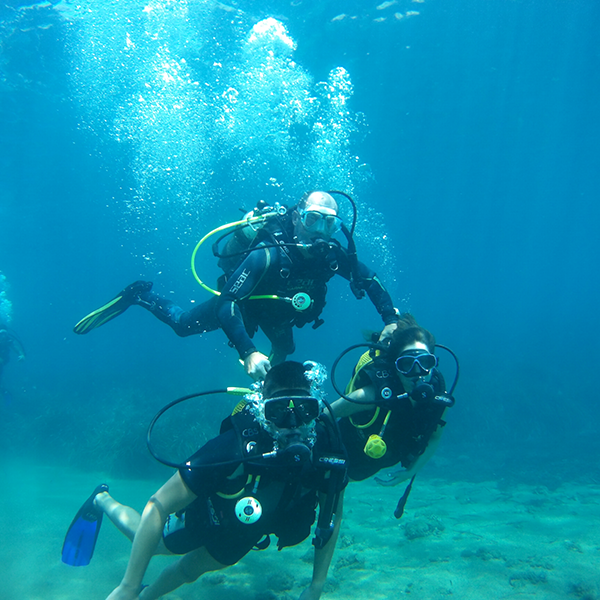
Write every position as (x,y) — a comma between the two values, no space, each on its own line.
(312,592)
(124,592)
(257,365)
(394,477)
(386,334)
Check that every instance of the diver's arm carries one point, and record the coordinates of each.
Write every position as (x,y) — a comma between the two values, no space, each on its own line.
(432,446)
(257,365)
(370,283)
(323,556)
(344,408)
(240,286)
(17,346)
(171,497)
(378,295)
(396,477)
(386,332)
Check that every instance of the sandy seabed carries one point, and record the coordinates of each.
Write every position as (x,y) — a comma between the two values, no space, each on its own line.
(456,539)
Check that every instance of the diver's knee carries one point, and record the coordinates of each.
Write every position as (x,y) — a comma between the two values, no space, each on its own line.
(189,571)
(188,324)
(184,327)
(182,331)
(192,565)
(196,563)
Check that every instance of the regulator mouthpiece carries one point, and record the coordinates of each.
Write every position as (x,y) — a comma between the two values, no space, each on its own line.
(295,453)
(423,392)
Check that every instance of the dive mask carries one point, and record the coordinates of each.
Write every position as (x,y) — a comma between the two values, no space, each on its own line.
(289,412)
(318,222)
(416,363)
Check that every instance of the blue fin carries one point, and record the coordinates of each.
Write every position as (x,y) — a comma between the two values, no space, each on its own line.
(80,541)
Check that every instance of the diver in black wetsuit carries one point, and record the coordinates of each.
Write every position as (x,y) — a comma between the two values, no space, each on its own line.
(273,463)
(298,258)
(9,343)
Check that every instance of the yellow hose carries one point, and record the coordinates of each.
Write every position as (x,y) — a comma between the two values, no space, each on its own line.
(233,225)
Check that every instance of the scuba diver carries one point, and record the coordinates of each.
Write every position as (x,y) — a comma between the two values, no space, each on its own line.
(393,409)
(288,257)
(9,343)
(276,458)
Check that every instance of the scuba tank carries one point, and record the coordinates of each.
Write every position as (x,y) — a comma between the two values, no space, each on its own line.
(244,236)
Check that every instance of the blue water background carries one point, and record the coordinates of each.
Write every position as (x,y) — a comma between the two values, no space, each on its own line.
(477,177)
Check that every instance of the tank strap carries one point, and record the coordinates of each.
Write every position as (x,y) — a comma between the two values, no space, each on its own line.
(363,361)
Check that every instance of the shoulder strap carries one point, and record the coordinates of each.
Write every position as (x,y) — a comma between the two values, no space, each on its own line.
(338,477)
(376,371)
(365,360)
(227,422)
(240,246)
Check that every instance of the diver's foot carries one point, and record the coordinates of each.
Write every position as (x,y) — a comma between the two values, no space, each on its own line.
(132,292)
(101,496)
(393,477)
(90,509)
(112,309)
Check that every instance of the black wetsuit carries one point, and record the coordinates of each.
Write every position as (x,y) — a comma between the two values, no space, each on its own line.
(281,271)
(5,348)
(287,492)
(408,430)
(8,343)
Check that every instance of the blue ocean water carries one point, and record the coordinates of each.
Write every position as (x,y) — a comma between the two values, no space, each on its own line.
(466,131)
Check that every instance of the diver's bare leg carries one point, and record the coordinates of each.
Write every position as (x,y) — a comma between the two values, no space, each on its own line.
(125,518)
(186,570)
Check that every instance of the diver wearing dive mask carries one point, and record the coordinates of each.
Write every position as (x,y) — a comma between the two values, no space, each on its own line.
(236,492)
(416,362)
(323,222)
(399,403)
(291,411)
(275,283)
(290,420)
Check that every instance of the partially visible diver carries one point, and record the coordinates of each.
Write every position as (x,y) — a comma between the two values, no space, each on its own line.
(394,407)
(277,457)
(9,343)
(292,259)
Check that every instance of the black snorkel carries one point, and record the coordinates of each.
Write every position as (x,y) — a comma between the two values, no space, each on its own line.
(353,204)
(356,281)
